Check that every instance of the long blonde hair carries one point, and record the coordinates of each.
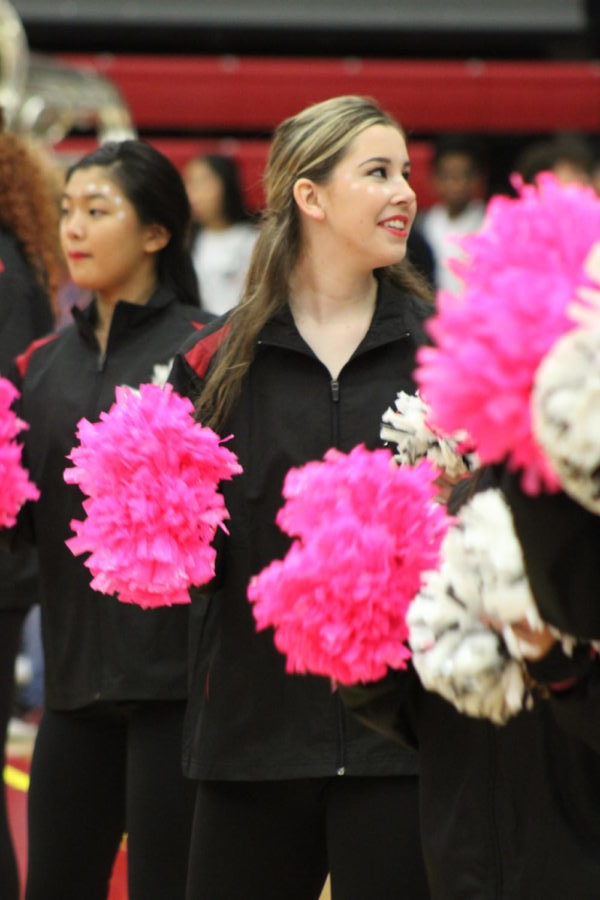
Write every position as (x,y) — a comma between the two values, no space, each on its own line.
(307,145)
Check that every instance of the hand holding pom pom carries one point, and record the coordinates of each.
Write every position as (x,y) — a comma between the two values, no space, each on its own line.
(151,475)
(365,531)
(481,580)
(407,427)
(566,413)
(15,486)
(523,269)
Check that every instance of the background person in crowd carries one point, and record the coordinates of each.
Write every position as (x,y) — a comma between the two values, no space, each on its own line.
(107,757)
(224,235)
(570,157)
(29,272)
(459,178)
(289,786)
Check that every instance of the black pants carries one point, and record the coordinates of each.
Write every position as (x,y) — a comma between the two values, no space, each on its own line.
(271,840)
(95,774)
(11,624)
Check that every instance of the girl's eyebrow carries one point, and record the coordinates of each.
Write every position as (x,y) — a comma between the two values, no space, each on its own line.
(379,159)
(94,196)
(384,160)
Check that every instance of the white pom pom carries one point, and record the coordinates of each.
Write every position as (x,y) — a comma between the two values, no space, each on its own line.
(566,413)
(406,426)
(482,575)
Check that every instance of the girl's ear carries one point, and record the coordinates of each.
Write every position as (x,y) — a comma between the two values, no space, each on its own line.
(157,237)
(306,195)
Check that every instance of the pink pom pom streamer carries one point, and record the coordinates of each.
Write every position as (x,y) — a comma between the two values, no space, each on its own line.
(366,531)
(151,475)
(15,486)
(521,272)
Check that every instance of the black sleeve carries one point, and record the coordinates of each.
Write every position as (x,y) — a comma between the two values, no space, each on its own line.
(187,383)
(387,705)
(578,711)
(560,541)
(24,307)
(184,379)
(572,687)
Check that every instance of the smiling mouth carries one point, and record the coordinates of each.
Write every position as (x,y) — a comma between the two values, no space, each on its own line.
(77,255)
(396,226)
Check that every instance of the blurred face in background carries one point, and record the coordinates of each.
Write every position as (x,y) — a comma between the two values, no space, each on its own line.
(569,172)
(457,182)
(206,195)
(596,177)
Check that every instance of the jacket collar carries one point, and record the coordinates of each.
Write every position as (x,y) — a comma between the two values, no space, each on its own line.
(125,317)
(396,317)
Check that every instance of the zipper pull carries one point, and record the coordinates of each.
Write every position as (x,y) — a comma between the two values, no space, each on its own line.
(335,390)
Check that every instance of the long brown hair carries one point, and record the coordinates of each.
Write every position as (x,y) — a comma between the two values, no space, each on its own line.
(29,211)
(307,145)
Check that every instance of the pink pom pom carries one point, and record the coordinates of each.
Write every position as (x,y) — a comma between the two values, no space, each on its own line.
(522,270)
(15,486)
(151,474)
(366,531)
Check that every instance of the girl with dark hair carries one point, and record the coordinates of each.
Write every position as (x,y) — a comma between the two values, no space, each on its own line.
(29,272)
(107,756)
(224,235)
(289,786)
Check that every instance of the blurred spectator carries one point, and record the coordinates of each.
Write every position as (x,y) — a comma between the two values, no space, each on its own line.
(596,175)
(224,236)
(569,156)
(69,295)
(29,273)
(30,692)
(459,178)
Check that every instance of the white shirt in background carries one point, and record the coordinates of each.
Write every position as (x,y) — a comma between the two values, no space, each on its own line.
(221,260)
(439,229)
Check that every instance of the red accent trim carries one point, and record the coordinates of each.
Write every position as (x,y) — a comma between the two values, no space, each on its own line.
(24,358)
(558,686)
(201,354)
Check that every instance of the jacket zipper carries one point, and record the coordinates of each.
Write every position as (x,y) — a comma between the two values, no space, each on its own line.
(340,767)
(334,385)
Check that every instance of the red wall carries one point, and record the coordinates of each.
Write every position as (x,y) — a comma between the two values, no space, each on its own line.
(245,97)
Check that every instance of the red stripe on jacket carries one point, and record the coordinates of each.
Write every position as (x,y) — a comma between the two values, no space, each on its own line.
(201,354)
(24,358)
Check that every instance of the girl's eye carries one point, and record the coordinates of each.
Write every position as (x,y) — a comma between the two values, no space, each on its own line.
(380,171)
(406,175)
(95,212)
(63,212)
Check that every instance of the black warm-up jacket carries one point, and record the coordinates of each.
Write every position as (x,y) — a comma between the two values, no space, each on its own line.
(247,718)
(96,648)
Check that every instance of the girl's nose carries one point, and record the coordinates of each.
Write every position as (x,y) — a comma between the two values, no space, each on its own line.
(73,224)
(403,192)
